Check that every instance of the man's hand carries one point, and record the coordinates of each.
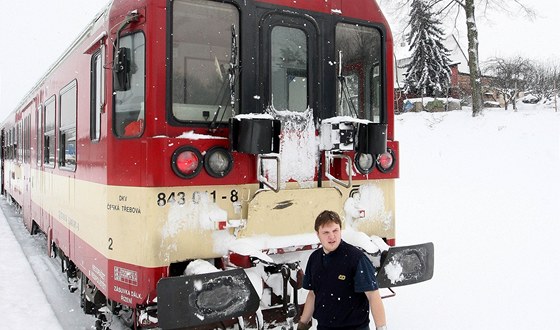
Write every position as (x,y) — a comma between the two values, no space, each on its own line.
(303,326)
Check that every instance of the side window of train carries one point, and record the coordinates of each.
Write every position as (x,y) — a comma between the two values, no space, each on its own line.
(27,138)
(129,105)
(48,132)
(67,127)
(12,144)
(19,134)
(97,94)
(359,56)
(203,75)
(38,125)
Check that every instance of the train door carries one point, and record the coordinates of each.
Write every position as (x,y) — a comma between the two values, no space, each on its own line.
(290,76)
(26,167)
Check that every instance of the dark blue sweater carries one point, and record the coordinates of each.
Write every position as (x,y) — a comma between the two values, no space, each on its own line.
(332,279)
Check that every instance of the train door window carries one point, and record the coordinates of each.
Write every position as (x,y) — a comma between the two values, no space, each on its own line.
(289,76)
(48,132)
(97,101)
(130,103)
(290,52)
(67,127)
(204,57)
(359,56)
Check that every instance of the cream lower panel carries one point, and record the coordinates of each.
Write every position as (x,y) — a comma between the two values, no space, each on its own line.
(15,177)
(368,206)
(145,226)
(290,212)
(374,207)
(154,226)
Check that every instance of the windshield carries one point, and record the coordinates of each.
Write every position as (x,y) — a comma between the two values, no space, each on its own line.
(359,87)
(204,47)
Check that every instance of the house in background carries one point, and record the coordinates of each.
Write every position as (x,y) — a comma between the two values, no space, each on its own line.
(460,76)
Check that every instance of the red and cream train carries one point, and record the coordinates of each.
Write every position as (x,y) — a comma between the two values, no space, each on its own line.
(179,133)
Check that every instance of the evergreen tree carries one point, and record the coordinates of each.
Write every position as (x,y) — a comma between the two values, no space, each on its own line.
(428,73)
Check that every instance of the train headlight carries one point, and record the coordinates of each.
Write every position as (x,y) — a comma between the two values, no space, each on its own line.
(364,163)
(218,162)
(386,161)
(186,162)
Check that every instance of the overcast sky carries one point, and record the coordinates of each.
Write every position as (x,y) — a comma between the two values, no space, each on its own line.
(34,33)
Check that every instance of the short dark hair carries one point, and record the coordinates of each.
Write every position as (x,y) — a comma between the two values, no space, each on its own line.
(326,217)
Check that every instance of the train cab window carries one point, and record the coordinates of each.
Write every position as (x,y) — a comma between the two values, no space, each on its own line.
(97,87)
(204,57)
(48,132)
(359,87)
(129,115)
(67,127)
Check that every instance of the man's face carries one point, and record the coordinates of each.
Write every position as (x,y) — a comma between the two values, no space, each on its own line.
(329,235)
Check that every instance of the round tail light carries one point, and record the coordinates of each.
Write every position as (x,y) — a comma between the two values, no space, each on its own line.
(218,162)
(186,162)
(386,161)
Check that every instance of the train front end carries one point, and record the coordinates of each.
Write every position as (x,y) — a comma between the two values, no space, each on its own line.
(272,112)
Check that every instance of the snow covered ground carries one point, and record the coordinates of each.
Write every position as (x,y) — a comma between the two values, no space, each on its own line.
(485,190)
(22,301)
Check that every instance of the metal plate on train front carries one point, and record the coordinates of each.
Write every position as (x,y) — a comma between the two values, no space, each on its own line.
(405,265)
(193,300)
(289,211)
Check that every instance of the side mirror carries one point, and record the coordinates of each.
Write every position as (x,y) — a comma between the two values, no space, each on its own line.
(121,70)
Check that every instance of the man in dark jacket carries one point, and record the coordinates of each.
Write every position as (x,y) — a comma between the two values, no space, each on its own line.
(341,283)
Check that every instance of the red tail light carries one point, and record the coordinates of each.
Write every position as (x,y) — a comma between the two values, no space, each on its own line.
(386,161)
(186,162)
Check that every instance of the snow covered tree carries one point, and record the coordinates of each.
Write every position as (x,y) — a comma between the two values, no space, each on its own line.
(428,73)
(510,76)
(544,80)
(468,6)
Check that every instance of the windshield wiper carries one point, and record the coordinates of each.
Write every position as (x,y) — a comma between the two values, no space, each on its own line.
(344,92)
(232,75)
